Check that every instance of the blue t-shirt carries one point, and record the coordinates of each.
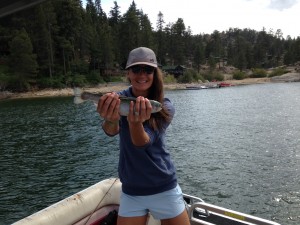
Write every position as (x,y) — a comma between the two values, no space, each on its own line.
(148,169)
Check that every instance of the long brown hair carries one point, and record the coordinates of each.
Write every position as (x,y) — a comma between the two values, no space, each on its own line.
(157,93)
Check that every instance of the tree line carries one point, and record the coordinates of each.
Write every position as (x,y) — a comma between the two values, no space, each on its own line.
(60,43)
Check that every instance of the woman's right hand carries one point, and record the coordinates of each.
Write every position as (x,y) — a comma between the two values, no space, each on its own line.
(108,107)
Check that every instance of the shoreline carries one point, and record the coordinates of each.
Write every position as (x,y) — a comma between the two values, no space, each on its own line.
(116,87)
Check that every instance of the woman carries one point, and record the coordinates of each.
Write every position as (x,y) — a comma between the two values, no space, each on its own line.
(148,176)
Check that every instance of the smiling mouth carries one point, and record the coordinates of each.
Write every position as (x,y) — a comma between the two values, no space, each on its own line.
(142,81)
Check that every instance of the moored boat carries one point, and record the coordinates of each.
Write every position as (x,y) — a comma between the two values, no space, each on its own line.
(224,84)
(196,87)
(99,203)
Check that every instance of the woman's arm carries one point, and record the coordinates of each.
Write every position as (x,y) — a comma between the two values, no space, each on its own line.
(138,114)
(108,108)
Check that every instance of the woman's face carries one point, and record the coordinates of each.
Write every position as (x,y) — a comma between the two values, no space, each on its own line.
(141,79)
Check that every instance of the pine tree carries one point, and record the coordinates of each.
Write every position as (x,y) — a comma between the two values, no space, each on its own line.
(114,23)
(178,48)
(129,28)
(22,60)
(199,55)
(146,34)
(159,40)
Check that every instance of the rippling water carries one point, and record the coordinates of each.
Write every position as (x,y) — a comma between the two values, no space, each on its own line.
(236,147)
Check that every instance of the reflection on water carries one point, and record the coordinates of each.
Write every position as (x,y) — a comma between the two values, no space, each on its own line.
(236,147)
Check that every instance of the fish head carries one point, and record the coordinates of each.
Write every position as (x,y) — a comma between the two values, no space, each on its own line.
(156,106)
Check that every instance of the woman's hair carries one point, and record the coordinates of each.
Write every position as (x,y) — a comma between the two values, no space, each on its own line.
(156,93)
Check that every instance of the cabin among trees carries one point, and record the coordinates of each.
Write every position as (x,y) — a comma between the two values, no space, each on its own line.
(177,71)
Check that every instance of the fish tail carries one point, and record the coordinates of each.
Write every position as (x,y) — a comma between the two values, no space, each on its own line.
(77,96)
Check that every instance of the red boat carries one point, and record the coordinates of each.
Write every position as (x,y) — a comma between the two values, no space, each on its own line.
(224,84)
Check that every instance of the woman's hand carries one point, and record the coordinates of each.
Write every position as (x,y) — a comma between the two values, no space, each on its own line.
(138,114)
(140,111)
(108,107)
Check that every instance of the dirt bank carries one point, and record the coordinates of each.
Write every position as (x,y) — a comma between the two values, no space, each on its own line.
(116,87)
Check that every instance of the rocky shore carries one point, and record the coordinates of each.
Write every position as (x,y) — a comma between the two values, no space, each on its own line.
(290,77)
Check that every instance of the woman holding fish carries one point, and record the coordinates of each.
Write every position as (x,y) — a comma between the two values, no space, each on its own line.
(147,173)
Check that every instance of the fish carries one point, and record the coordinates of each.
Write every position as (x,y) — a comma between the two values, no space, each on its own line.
(83,96)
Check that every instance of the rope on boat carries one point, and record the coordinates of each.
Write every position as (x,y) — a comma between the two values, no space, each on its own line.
(101,201)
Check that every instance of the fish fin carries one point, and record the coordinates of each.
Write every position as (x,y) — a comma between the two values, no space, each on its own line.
(78,100)
(77,91)
(77,96)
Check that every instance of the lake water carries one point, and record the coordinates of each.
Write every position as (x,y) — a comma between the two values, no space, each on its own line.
(237,147)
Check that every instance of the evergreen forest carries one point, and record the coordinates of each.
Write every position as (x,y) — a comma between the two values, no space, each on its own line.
(61,43)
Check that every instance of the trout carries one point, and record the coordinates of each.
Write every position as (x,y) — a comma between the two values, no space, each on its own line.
(82,96)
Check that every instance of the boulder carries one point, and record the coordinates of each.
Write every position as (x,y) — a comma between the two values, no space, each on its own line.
(288,77)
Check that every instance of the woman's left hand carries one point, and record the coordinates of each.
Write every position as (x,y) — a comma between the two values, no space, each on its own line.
(140,111)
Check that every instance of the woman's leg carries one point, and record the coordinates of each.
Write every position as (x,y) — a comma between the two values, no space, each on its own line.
(181,219)
(139,220)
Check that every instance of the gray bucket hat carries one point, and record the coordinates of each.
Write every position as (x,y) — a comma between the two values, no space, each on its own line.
(141,55)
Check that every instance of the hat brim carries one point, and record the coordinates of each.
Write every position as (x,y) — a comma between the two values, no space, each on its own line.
(142,63)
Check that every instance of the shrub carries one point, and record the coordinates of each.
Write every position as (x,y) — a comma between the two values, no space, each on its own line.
(218,77)
(17,83)
(4,68)
(168,79)
(4,80)
(79,80)
(54,82)
(187,77)
(58,83)
(198,77)
(277,72)
(116,79)
(94,78)
(190,76)
(213,76)
(208,76)
(258,73)
(239,75)
(80,67)
(44,82)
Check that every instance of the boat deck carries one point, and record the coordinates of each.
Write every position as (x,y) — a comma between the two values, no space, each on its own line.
(98,205)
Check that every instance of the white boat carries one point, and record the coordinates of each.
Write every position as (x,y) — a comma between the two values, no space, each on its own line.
(99,203)
(196,87)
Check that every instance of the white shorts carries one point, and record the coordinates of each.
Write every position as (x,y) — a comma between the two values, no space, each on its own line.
(165,205)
